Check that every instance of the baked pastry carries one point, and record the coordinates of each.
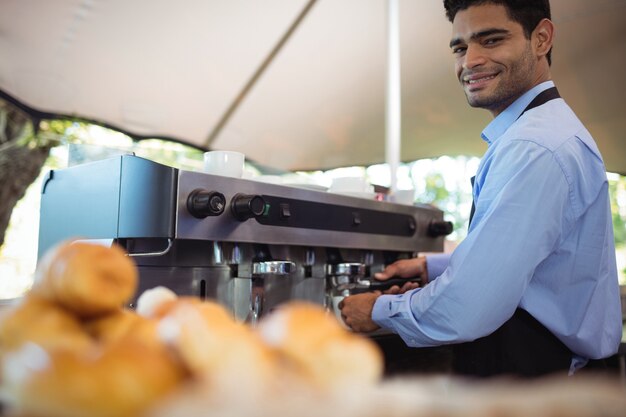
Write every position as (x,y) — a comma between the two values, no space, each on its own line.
(88,279)
(150,300)
(318,349)
(119,325)
(119,380)
(37,320)
(71,350)
(214,346)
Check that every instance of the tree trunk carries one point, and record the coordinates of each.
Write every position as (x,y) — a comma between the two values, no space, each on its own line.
(21,160)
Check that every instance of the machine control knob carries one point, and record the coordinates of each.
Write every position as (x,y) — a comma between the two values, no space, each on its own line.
(202,203)
(245,206)
(439,228)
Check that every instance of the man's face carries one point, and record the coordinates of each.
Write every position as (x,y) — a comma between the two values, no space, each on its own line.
(495,62)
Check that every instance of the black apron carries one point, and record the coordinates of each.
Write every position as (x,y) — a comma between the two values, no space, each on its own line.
(522,346)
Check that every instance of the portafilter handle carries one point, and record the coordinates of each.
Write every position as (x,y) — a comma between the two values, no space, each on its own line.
(375,285)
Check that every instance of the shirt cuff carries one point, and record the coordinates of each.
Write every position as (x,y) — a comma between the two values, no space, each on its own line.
(389,307)
(381,310)
(436,264)
(393,312)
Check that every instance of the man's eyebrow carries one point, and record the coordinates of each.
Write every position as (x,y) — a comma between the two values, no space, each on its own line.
(487,32)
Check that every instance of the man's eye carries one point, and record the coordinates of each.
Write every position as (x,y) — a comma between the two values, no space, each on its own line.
(458,50)
(492,41)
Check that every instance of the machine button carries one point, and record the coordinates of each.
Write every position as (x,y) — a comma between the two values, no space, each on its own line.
(202,203)
(245,206)
(285,211)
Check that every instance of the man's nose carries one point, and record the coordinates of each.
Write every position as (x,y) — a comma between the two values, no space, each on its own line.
(474,57)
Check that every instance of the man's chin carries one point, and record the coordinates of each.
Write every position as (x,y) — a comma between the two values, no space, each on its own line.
(481,101)
(477,102)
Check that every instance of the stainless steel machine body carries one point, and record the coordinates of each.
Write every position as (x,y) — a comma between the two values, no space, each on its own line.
(248,245)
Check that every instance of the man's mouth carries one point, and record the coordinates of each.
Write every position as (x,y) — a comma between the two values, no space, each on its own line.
(476,81)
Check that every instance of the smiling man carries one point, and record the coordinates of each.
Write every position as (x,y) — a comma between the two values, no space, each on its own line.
(533,289)
(495,62)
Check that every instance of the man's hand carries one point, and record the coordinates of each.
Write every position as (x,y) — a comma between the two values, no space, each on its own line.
(356,311)
(404,268)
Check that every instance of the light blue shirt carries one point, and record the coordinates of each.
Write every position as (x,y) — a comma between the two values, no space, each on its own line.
(541,239)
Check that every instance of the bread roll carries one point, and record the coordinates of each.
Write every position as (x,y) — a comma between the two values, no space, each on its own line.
(315,345)
(88,279)
(40,321)
(150,300)
(214,346)
(114,326)
(122,380)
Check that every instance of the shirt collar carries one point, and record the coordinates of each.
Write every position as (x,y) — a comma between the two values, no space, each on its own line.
(500,124)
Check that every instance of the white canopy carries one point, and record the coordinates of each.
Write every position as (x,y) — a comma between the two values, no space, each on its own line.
(174,69)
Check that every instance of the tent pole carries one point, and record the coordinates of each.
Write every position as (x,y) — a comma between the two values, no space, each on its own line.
(393,111)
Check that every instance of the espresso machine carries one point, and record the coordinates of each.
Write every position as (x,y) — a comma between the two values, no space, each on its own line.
(248,245)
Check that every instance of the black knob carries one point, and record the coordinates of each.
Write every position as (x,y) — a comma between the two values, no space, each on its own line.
(245,206)
(439,228)
(202,203)
(412,225)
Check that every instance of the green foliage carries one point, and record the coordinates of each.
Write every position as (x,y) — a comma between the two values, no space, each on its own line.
(170,153)
(435,188)
(58,127)
(16,128)
(88,142)
(452,201)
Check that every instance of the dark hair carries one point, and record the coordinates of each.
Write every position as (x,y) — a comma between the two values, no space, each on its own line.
(527,13)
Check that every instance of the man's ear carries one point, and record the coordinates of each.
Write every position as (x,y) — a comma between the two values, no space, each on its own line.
(543,37)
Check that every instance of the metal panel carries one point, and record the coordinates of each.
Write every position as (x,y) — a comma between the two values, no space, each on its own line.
(80,202)
(225,228)
(147,199)
(121,197)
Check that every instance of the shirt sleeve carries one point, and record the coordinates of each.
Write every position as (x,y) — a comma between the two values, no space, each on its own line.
(436,264)
(521,211)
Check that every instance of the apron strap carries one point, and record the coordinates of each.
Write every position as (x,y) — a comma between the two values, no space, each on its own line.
(542,98)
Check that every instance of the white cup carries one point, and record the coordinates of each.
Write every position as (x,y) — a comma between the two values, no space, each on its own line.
(336,300)
(403,197)
(224,163)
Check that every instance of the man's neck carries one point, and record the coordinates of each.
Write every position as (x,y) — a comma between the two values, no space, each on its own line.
(542,76)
